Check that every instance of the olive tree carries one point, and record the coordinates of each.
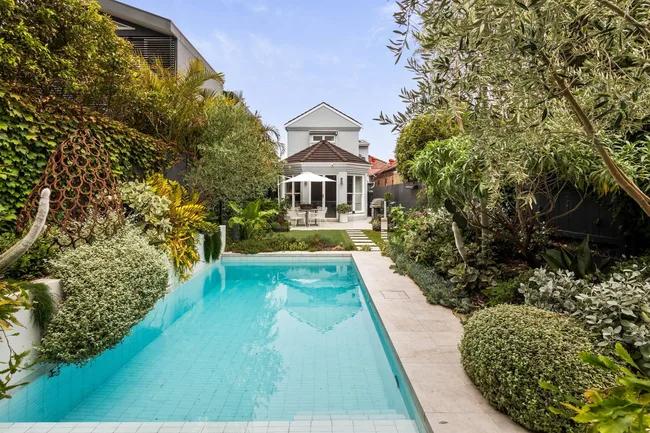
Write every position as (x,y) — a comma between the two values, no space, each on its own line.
(532,63)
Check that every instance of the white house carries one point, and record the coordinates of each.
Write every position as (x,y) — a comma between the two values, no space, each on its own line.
(325,141)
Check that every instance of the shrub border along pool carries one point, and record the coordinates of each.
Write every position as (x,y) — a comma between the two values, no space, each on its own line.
(404,312)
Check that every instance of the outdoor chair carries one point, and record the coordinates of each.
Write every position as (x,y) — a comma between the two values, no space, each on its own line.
(318,216)
(296,217)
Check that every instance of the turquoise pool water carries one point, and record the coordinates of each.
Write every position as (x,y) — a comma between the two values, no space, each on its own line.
(277,340)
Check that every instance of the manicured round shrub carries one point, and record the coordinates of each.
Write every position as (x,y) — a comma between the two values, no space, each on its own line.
(109,286)
(507,350)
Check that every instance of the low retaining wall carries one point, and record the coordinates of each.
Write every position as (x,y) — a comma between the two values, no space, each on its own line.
(30,335)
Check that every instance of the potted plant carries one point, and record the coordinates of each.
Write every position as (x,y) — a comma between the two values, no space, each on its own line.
(343,209)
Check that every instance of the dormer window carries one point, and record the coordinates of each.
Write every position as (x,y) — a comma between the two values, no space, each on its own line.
(317,137)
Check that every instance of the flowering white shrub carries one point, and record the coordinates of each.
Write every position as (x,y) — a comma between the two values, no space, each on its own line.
(109,286)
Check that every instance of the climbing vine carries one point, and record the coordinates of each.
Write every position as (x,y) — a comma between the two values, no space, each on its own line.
(31,128)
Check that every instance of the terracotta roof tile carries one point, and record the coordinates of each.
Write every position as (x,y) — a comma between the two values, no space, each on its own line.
(324,151)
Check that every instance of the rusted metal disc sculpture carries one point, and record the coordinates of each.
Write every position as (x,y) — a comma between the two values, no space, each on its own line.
(85,198)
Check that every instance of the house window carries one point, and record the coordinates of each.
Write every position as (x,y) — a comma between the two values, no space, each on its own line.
(355,193)
(293,191)
(316,138)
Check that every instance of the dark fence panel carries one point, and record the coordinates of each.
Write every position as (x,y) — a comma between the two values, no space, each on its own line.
(402,194)
(590,218)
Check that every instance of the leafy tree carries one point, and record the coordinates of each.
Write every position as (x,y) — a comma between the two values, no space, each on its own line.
(577,67)
(237,162)
(417,133)
(169,105)
(62,47)
(507,188)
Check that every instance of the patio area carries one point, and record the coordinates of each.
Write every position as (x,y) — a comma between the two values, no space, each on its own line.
(335,225)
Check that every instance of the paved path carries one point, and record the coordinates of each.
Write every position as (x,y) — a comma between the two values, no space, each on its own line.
(360,239)
(426,340)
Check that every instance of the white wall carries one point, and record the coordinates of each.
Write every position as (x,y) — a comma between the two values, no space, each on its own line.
(323,119)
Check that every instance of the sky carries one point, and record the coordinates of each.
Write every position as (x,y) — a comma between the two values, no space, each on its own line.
(287,56)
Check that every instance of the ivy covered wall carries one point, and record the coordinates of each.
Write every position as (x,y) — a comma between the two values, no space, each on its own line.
(31,128)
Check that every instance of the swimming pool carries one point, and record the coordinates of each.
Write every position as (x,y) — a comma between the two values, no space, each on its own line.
(270,339)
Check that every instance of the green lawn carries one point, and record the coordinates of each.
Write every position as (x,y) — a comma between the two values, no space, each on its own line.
(375,237)
(333,236)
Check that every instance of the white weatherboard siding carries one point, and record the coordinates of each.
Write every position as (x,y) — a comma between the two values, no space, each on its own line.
(323,119)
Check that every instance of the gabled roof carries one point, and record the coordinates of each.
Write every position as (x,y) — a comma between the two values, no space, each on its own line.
(323,105)
(386,169)
(376,165)
(324,151)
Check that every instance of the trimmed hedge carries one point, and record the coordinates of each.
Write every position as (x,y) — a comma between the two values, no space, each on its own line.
(507,350)
(109,286)
(31,128)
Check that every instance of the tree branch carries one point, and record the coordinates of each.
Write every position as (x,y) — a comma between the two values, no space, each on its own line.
(630,19)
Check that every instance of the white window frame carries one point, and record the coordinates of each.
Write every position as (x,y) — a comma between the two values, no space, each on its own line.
(322,136)
(356,194)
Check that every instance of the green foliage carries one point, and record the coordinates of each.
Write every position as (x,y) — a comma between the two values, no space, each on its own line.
(376,223)
(238,162)
(539,69)
(417,133)
(343,208)
(507,292)
(32,264)
(278,242)
(581,263)
(171,217)
(13,298)
(109,286)
(505,187)
(507,350)
(616,310)
(476,275)
(251,220)
(624,408)
(63,46)
(188,217)
(149,210)
(212,246)
(436,289)
(32,127)
(41,301)
(168,104)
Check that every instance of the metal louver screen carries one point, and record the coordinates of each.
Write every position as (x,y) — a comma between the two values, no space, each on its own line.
(153,47)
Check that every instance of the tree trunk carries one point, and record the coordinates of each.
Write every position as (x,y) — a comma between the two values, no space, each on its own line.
(458,239)
(622,179)
(37,229)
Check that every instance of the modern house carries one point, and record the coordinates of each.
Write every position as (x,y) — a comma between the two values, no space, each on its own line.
(325,141)
(155,37)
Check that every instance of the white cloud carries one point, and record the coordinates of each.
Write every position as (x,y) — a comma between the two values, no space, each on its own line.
(258,8)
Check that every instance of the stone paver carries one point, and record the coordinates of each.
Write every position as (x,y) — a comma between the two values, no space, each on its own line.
(360,239)
(426,340)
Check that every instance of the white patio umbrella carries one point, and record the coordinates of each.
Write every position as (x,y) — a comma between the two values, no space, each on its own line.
(308,176)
